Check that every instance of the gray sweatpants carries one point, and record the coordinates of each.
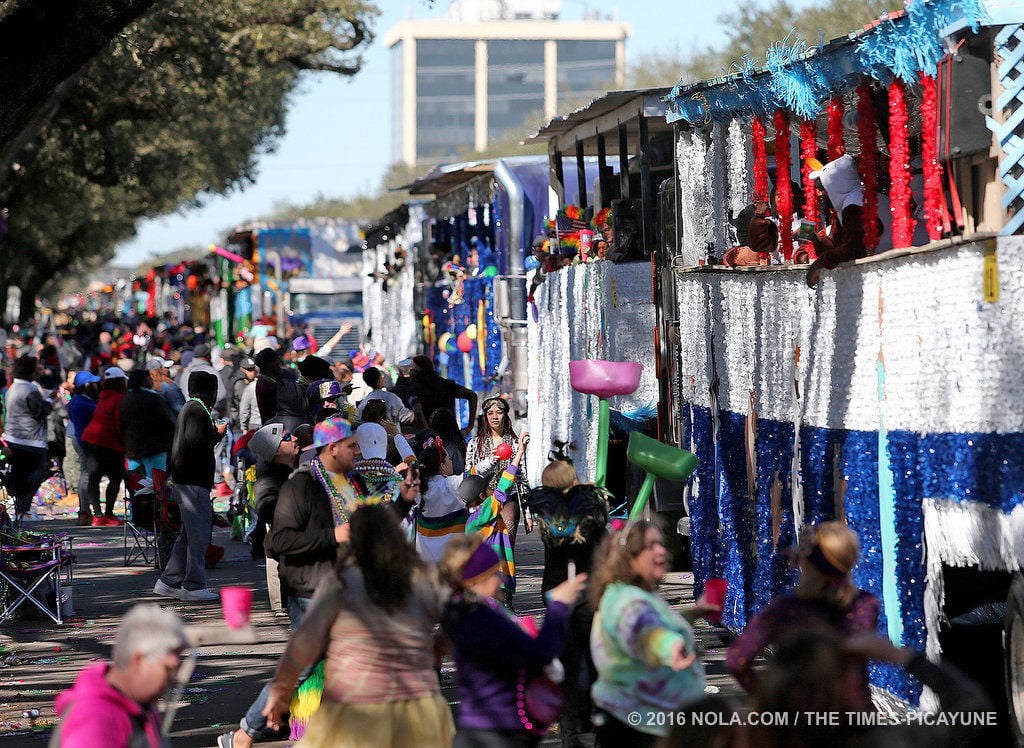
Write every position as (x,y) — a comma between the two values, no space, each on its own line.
(187,565)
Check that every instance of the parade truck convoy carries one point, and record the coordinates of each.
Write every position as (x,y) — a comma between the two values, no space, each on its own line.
(886,391)
(308,278)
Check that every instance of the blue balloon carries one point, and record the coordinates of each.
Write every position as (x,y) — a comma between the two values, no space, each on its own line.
(442,358)
(531,263)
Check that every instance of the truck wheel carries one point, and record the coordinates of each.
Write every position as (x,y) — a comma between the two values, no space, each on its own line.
(1013,657)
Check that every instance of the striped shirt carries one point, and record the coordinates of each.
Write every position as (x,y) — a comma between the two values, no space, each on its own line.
(486,521)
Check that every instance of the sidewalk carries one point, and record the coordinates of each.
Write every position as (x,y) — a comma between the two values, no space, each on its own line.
(42,659)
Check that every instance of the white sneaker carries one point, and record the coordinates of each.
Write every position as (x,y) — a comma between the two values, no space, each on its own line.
(165,590)
(202,595)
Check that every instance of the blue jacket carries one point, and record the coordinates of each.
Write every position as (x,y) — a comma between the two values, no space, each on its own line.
(80,410)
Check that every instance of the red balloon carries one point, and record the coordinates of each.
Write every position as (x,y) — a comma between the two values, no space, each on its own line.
(503,451)
(464,342)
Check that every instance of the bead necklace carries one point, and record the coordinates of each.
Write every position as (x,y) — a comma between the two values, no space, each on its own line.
(203,406)
(341,514)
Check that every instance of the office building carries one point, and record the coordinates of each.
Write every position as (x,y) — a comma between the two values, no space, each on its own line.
(491,66)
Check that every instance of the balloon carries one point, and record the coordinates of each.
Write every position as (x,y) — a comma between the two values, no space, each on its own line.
(503,451)
(464,342)
(490,271)
(426,320)
(471,332)
(442,358)
(442,342)
(531,263)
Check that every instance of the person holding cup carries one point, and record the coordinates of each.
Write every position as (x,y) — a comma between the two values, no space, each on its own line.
(825,598)
(645,653)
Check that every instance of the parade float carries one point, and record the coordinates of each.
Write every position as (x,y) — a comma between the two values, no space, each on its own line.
(389,282)
(471,278)
(890,395)
(588,307)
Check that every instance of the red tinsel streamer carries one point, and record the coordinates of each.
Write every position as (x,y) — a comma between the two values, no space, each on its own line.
(933,195)
(867,135)
(784,195)
(809,150)
(899,166)
(835,128)
(760,160)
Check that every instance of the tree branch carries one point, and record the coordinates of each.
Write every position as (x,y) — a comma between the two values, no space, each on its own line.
(44,42)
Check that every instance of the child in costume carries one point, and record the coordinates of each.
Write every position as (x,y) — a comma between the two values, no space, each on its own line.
(440,514)
(485,516)
(572,518)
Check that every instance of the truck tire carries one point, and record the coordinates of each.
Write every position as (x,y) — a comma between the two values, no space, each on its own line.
(1013,658)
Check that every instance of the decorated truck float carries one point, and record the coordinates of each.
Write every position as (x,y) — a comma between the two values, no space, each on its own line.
(890,394)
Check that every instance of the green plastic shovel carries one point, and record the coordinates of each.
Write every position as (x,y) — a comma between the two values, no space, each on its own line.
(658,460)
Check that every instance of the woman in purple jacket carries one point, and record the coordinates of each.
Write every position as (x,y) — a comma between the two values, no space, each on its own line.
(496,653)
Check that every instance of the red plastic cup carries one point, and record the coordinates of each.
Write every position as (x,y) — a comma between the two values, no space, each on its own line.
(237,604)
(715,590)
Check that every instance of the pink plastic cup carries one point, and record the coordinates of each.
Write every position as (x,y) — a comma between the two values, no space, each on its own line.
(237,604)
(714,592)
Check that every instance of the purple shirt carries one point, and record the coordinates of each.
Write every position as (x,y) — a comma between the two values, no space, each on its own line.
(491,649)
(787,615)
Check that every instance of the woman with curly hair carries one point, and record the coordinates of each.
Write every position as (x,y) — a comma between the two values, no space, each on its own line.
(376,617)
(645,652)
(484,458)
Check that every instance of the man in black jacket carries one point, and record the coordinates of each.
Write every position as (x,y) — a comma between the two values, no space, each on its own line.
(192,468)
(310,523)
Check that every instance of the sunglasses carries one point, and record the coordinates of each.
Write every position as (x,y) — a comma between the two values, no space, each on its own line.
(287,438)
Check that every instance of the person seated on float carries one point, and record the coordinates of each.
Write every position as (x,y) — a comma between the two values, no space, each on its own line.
(757,233)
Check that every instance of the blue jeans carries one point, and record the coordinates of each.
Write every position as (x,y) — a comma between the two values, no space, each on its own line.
(253,723)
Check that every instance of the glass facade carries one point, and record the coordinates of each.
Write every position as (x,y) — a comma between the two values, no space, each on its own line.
(445,101)
(515,84)
(586,70)
(445,88)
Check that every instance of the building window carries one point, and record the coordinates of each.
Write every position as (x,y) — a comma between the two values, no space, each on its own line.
(515,84)
(586,70)
(445,87)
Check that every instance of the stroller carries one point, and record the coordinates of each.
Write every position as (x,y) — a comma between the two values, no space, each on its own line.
(242,509)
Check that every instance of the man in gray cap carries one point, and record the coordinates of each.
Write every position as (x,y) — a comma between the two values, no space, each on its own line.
(239,381)
(277,453)
(201,362)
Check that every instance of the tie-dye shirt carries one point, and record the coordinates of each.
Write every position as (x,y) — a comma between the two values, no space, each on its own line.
(631,641)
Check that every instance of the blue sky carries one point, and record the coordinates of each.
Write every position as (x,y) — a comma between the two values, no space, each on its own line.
(338,137)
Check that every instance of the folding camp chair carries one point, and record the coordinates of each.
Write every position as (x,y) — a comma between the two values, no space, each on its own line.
(25,569)
(141,533)
(166,517)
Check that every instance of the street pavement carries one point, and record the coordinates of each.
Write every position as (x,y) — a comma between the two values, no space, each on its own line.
(39,659)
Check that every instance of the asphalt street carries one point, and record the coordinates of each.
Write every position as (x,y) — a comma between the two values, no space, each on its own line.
(40,659)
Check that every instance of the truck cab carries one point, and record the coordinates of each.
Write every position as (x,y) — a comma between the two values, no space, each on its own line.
(320,306)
